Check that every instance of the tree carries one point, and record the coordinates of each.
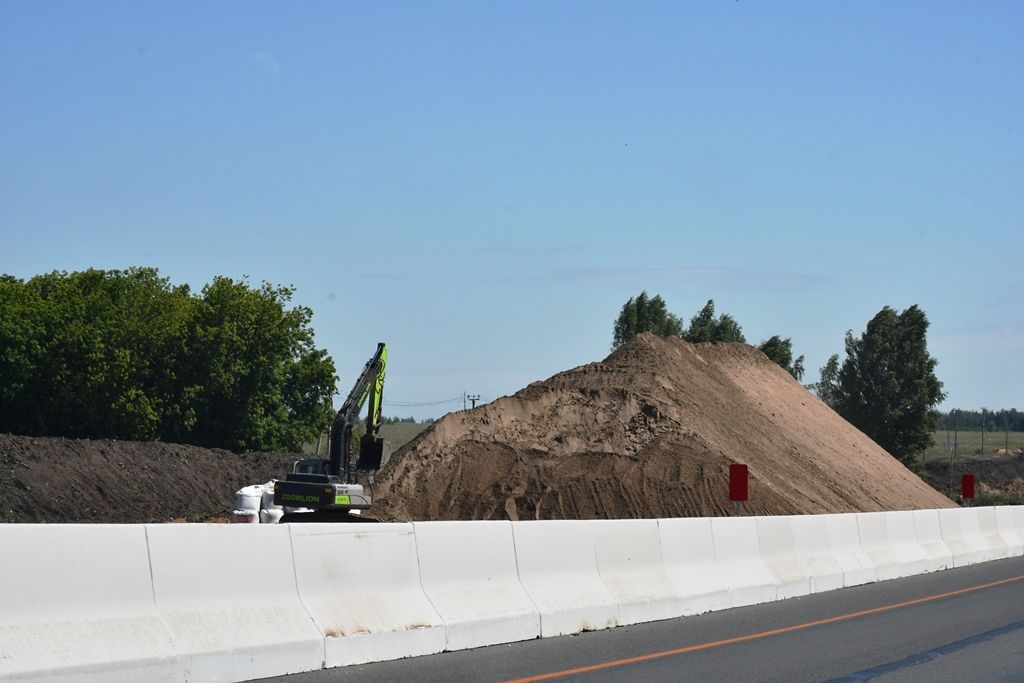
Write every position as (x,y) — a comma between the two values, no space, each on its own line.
(124,354)
(827,387)
(705,327)
(253,375)
(887,386)
(780,351)
(644,314)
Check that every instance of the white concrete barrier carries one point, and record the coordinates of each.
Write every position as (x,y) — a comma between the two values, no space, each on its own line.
(902,532)
(962,533)
(76,604)
(739,562)
(558,569)
(847,551)
(1010,521)
(688,550)
(361,584)
(631,564)
(468,571)
(929,536)
(227,594)
(874,539)
(778,552)
(990,533)
(239,602)
(810,540)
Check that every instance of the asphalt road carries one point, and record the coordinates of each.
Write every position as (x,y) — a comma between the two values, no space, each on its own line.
(956,625)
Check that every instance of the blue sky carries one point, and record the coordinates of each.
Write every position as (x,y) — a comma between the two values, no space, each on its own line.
(483,185)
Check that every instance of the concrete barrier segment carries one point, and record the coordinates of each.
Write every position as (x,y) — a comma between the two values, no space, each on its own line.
(228,595)
(990,533)
(558,569)
(810,540)
(688,550)
(844,542)
(361,584)
(468,572)
(778,552)
(937,554)
(77,605)
(1010,522)
(902,532)
(739,563)
(962,533)
(631,564)
(874,539)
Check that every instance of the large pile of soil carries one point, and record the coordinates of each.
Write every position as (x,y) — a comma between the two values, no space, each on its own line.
(648,432)
(77,480)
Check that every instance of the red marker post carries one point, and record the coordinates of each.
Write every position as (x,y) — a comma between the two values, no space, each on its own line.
(738,486)
(967,488)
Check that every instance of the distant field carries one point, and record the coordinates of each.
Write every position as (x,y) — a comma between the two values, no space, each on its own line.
(397,434)
(969,443)
(402,433)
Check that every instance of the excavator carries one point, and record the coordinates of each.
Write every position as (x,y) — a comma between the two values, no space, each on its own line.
(330,488)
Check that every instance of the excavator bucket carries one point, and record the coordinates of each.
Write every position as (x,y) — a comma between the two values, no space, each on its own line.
(373,452)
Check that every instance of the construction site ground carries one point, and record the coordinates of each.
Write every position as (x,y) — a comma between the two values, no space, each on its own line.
(648,432)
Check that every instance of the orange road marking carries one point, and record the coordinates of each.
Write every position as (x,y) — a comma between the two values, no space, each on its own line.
(762,634)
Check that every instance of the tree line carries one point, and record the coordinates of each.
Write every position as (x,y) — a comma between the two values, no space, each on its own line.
(124,354)
(885,386)
(644,313)
(973,420)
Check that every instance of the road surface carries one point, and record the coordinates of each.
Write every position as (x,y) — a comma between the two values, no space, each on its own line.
(957,625)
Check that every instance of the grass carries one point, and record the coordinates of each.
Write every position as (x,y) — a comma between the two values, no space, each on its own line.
(998,498)
(401,433)
(969,443)
(397,434)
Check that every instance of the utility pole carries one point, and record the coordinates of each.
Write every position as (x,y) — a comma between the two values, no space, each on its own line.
(983,431)
(463,400)
(952,453)
(473,398)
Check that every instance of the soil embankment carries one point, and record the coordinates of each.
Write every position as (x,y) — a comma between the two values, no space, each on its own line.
(80,480)
(648,432)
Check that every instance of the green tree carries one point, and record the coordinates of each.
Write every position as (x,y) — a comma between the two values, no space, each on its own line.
(644,314)
(89,353)
(124,354)
(706,327)
(780,351)
(827,387)
(253,374)
(887,386)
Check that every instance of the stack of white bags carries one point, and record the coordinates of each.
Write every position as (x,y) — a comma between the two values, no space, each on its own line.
(255,504)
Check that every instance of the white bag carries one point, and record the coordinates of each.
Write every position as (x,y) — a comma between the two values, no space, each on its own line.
(245,517)
(271,516)
(249,498)
(267,501)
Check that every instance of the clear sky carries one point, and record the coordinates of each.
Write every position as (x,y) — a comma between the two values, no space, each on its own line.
(483,185)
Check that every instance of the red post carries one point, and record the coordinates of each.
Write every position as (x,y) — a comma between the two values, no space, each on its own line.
(738,477)
(967,487)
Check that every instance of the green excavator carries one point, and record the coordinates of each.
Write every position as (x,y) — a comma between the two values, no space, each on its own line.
(330,489)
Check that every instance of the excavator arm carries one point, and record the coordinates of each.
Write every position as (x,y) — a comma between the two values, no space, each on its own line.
(369,386)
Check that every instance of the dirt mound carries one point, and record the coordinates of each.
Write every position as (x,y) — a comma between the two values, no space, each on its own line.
(78,480)
(648,432)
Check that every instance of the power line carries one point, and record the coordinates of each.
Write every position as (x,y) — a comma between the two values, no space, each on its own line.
(410,404)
